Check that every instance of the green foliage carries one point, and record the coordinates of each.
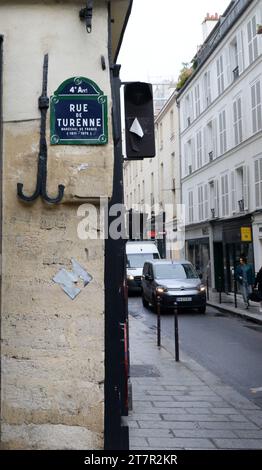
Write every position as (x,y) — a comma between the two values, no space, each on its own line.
(184,75)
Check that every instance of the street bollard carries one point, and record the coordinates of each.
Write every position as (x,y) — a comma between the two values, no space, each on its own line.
(176,334)
(158,311)
(207,287)
(235,292)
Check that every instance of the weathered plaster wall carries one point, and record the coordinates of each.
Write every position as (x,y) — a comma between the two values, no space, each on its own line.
(52,347)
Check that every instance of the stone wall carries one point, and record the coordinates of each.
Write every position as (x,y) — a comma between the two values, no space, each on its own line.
(52,346)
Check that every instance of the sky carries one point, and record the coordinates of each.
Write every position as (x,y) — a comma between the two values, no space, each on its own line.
(161,35)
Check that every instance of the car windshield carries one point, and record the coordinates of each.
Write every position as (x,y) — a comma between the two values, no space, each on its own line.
(138,260)
(175,271)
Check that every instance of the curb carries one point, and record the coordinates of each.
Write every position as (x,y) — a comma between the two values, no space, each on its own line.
(235,312)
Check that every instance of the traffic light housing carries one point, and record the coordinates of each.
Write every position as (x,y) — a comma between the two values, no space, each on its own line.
(139,121)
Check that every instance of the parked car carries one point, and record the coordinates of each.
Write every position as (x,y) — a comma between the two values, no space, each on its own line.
(137,252)
(176,283)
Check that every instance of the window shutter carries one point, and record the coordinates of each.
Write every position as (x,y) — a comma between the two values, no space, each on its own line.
(193,154)
(226,195)
(229,74)
(246,187)
(250,45)
(216,197)
(206,201)
(233,191)
(205,145)
(214,137)
(240,58)
(259,105)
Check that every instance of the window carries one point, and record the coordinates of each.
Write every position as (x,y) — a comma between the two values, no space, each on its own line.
(242,187)
(152,194)
(256,107)
(172,127)
(258,182)
(188,110)
(190,156)
(160,136)
(234,58)
(199,149)
(175,271)
(207,89)
(143,192)
(161,185)
(220,75)
(252,39)
(225,195)
(190,207)
(197,100)
(237,121)
(212,198)
(210,140)
(222,132)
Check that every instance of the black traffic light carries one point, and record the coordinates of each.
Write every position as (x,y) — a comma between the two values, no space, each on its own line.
(139,120)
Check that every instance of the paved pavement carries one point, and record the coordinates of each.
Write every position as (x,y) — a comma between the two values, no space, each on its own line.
(181,405)
(228,304)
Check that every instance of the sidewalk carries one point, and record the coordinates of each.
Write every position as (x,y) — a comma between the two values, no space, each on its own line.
(228,305)
(181,405)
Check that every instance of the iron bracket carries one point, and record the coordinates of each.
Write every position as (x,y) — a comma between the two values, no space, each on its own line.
(43,104)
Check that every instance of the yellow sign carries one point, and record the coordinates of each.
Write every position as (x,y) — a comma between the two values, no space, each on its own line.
(246,234)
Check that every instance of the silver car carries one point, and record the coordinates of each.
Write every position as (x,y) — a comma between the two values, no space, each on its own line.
(174,283)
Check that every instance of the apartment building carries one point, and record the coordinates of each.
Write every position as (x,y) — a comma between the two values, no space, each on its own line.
(221,146)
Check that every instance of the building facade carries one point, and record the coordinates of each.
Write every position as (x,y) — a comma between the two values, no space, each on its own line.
(220,109)
(53,343)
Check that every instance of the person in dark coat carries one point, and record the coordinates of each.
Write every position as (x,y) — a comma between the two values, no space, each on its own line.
(258,284)
(245,277)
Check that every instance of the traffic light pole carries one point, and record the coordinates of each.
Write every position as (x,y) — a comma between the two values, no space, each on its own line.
(116,436)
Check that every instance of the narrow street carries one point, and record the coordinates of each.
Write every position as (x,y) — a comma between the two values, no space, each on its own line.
(229,347)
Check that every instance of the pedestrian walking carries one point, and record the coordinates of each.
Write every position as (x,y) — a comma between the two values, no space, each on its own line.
(246,279)
(258,284)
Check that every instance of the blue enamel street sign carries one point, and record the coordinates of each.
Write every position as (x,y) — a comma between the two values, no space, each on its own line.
(78,113)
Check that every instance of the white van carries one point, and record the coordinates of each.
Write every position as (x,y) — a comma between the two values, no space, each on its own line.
(137,253)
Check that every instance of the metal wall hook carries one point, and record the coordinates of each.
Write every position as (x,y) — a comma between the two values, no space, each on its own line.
(87,14)
(43,104)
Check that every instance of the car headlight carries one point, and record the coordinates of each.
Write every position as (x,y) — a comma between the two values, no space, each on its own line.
(130,277)
(161,289)
(202,288)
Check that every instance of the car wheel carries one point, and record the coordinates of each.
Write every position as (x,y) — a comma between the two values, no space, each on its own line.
(144,301)
(202,309)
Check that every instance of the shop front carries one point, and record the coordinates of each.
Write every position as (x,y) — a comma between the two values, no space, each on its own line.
(231,239)
(198,249)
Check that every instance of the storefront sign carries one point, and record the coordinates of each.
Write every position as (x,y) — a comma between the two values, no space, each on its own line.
(78,113)
(246,234)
